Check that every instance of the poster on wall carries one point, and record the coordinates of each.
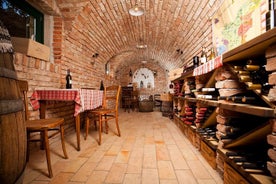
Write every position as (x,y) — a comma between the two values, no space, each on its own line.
(238,21)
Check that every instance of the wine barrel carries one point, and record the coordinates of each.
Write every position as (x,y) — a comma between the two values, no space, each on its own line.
(167,108)
(12,123)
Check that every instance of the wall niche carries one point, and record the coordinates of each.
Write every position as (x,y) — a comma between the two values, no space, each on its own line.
(143,78)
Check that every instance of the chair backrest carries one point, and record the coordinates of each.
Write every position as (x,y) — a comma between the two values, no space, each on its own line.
(135,95)
(23,85)
(111,97)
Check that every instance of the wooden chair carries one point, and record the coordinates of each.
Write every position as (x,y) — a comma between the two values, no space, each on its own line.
(108,111)
(157,101)
(135,100)
(43,126)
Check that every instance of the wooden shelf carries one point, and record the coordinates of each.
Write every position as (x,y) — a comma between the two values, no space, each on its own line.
(244,108)
(263,108)
(249,176)
(249,109)
(250,138)
(185,75)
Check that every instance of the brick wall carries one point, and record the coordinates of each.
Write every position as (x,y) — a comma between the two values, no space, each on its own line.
(73,44)
(160,80)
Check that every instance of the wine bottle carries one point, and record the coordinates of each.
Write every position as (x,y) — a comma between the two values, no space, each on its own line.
(271,15)
(102,86)
(260,77)
(252,86)
(212,54)
(245,78)
(252,67)
(203,57)
(243,99)
(196,61)
(68,80)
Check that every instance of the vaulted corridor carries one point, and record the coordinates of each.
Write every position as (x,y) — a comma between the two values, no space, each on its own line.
(151,150)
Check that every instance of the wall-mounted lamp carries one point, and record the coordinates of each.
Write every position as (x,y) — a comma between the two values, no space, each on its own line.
(154,73)
(95,55)
(179,51)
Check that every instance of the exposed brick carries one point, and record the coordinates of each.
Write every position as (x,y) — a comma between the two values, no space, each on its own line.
(37,64)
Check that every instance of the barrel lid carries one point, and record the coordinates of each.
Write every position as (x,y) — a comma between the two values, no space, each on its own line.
(5,40)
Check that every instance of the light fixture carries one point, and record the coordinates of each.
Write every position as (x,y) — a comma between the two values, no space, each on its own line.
(141,44)
(136,10)
(95,55)
(130,73)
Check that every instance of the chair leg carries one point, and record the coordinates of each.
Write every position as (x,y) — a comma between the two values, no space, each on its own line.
(47,150)
(100,129)
(28,146)
(117,125)
(62,141)
(95,124)
(106,125)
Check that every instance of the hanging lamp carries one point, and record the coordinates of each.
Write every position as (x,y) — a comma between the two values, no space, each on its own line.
(136,10)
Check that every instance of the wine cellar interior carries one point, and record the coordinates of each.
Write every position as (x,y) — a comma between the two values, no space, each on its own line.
(195,99)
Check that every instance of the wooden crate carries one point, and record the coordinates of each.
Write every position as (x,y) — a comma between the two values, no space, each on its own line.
(185,129)
(31,48)
(197,140)
(191,135)
(232,176)
(220,159)
(209,154)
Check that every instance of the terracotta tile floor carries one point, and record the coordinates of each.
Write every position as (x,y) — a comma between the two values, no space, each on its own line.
(151,150)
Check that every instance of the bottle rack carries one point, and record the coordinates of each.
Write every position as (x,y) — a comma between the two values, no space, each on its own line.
(216,153)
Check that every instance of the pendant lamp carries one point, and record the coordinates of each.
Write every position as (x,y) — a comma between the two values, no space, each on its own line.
(136,10)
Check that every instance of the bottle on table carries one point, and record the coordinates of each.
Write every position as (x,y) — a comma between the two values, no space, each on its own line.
(68,80)
(102,86)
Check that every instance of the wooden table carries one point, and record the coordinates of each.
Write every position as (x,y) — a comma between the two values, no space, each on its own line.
(85,99)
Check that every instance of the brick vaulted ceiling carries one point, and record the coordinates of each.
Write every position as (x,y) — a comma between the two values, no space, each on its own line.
(166,26)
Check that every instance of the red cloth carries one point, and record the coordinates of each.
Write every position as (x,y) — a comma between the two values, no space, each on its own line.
(85,99)
(208,66)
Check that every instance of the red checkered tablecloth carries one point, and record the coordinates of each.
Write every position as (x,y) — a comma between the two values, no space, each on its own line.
(90,99)
(208,66)
(84,99)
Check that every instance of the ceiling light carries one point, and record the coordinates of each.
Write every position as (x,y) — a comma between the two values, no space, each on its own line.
(136,10)
(141,46)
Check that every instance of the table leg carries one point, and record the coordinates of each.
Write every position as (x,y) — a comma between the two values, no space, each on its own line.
(77,121)
(42,109)
(42,114)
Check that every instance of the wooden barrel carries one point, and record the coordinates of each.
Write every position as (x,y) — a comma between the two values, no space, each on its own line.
(12,124)
(167,108)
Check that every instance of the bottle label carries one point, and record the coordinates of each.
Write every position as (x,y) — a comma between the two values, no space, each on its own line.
(203,60)
(70,81)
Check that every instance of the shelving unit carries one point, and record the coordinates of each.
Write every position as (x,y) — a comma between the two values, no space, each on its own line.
(213,150)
